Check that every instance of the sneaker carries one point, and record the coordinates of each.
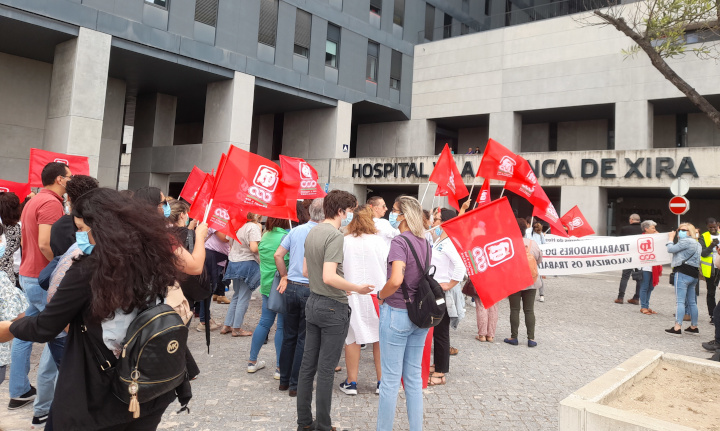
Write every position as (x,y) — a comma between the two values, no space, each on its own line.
(542,298)
(276,376)
(377,390)
(21,401)
(532,343)
(672,331)
(472,304)
(349,388)
(512,341)
(259,365)
(695,331)
(711,345)
(38,420)
(363,346)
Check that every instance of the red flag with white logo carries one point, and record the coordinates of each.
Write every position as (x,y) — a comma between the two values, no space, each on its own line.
(499,163)
(222,218)
(192,185)
(492,249)
(576,223)
(79,165)
(21,190)
(528,188)
(447,176)
(551,216)
(255,184)
(484,196)
(300,173)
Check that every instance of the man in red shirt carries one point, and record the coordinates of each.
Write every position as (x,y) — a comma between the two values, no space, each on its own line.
(37,218)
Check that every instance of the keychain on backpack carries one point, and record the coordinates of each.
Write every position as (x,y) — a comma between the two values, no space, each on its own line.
(133,387)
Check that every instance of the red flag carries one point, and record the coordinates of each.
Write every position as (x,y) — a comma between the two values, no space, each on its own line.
(300,173)
(254,184)
(484,196)
(192,185)
(21,190)
(492,249)
(79,165)
(551,216)
(576,223)
(222,218)
(447,176)
(499,163)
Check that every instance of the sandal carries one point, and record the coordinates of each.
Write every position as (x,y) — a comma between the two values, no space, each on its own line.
(651,311)
(226,330)
(436,380)
(432,368)
(480,338)
(241,333)
(489,339)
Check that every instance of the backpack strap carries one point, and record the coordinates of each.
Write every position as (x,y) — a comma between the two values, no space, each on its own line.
(103,363)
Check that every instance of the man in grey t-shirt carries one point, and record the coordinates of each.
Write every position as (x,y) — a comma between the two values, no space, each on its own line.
(327,315)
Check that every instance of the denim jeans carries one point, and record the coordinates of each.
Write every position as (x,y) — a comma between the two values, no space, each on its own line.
(626,273)
(327,322)
(238,304)
(685,295)
(293,345)
(646,289)
(401,347)
(267,318)
(213,259)
(21,350)
(47,376)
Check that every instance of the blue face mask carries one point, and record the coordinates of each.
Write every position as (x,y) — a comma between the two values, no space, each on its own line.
(438,231)
(187,221)
(393,220)
(2,248)
(682,234)
(166,210)
(348,218)
(83,242)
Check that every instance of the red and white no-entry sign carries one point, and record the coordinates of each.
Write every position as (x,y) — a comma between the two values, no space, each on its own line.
(679,205)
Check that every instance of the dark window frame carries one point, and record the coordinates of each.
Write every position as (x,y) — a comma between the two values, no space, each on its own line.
(328,38)
(372,46)
(261,38)
(395,70)
(152,3)
(299,36)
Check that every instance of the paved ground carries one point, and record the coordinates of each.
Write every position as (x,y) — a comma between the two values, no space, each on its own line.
(581,335)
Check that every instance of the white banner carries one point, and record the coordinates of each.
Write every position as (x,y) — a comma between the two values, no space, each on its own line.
(557,238)
(599,254)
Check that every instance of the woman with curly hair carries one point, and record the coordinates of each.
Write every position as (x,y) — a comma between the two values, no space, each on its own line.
(10,210)
(129,261)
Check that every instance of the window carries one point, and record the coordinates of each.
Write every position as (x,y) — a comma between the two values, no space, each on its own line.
(268,22)
(375,8)
(447,27)
(399,13)
(331,46)
(206,12)
(429,21)
(372,61)
(487,7)
(160,3)
(395,69)
(303,22)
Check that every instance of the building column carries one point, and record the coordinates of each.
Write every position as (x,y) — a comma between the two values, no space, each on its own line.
(153,155)
(318,133)
(506,128)
(592,202)
(112,133)
(634,125)
(77,96)
(228,118)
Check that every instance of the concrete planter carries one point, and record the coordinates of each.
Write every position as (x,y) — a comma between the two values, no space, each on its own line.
(587,409)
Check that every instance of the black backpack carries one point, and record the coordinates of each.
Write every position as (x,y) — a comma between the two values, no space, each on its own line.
(428,307)
(152,361)
(195,287)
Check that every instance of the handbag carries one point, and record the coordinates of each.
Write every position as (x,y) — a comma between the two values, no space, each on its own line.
(636,274)
(276,300)
(468,289)
(428,307)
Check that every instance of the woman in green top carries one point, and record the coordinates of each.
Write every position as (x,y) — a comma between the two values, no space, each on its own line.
(274,233)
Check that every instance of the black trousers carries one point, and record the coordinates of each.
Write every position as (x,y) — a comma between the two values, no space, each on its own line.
(441,345)
(712,284)
(624,282)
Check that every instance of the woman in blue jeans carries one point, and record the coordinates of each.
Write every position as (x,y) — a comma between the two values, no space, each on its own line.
(243,269)
(685,263)
(401,341)
(271,239)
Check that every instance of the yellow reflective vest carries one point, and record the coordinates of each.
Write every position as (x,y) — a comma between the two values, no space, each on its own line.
(706,263)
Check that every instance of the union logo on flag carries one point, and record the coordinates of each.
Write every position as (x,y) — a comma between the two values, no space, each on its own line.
(506,168)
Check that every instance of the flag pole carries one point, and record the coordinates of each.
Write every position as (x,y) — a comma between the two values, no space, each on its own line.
(426,189)
(290,223)
(207,211)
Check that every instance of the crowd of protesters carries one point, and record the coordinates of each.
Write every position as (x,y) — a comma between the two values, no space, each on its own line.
(338,279)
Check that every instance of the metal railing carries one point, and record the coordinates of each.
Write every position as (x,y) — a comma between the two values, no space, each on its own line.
(518,15)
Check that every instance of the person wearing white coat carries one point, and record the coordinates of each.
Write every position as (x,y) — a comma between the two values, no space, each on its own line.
(449,273)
